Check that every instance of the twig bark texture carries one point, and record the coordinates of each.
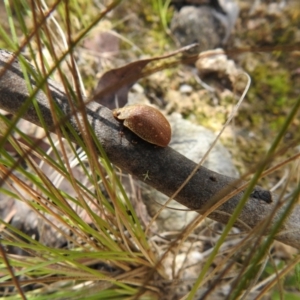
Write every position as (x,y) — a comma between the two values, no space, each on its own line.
(166,168)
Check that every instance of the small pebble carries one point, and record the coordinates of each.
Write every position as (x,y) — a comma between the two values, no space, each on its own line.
(185,89)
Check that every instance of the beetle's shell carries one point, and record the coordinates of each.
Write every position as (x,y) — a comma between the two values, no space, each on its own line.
(146,122)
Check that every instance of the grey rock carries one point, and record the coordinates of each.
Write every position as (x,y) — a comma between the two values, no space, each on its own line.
(196,25)
(204,25)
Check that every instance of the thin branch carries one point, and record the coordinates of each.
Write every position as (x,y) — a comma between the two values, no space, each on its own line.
(167,169)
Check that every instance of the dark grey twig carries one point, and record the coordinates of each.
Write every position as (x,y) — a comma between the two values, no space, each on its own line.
(166,168)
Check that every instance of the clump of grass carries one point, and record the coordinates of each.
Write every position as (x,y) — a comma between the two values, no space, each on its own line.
(92,244)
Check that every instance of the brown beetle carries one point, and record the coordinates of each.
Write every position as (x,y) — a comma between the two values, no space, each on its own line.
(146,122)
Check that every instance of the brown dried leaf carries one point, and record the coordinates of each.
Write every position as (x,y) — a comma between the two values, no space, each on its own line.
(113,87)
